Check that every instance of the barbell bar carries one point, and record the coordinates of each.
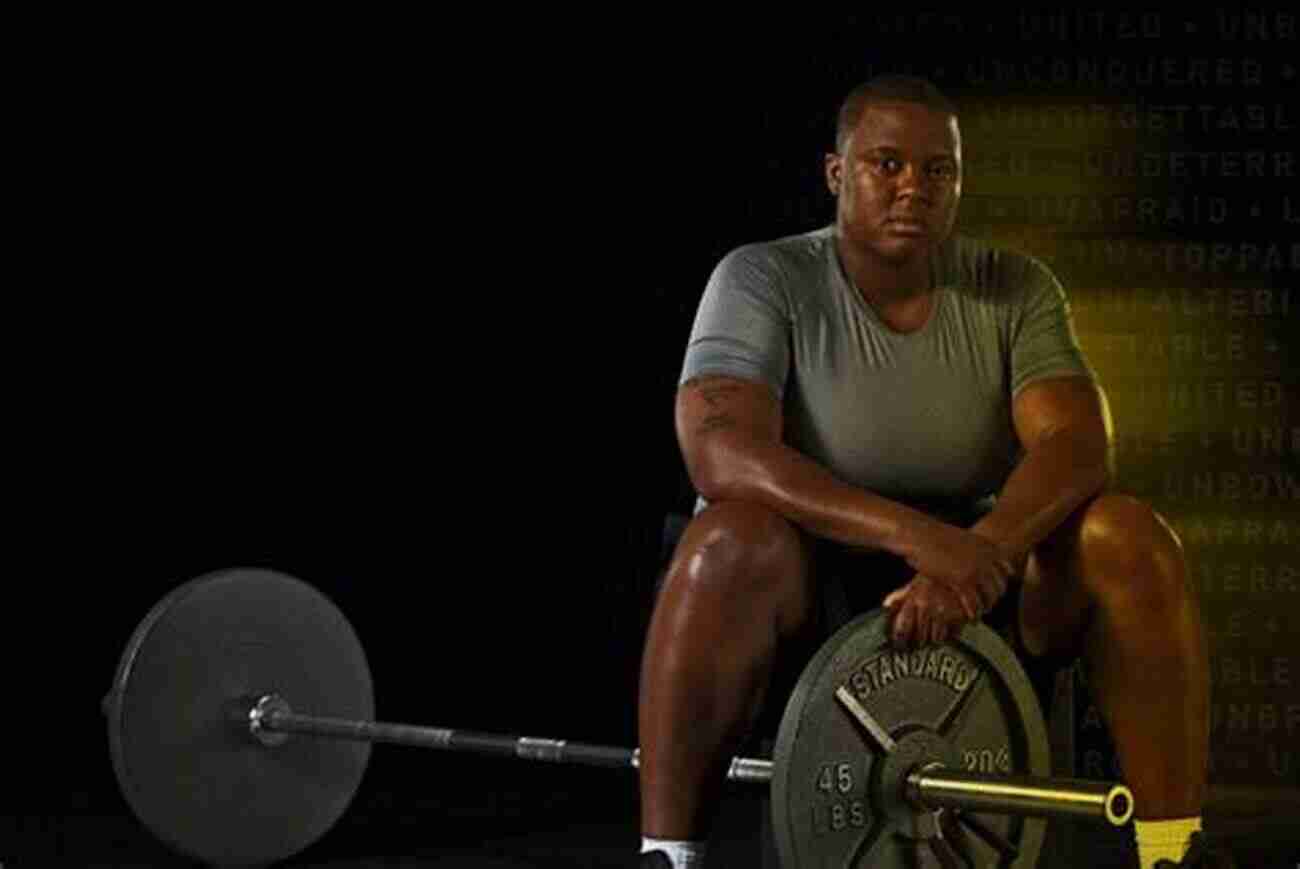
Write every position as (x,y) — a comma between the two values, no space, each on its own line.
(269,719)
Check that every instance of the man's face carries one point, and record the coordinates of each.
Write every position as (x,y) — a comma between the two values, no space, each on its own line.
(897,180)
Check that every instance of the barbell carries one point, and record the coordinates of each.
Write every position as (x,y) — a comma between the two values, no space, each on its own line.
(240,721)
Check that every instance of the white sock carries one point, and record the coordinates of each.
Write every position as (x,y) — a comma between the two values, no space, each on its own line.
(1164,840)
(683,855)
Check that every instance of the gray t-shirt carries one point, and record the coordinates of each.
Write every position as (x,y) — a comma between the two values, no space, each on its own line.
(923,418)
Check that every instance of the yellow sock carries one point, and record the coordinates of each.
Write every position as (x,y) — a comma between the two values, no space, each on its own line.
(1164,840)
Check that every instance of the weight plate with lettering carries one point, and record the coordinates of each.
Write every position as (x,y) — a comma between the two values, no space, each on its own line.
(190,771)
(863,714)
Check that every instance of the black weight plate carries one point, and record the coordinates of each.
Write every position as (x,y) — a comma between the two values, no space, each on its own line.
(196,778)
(967,703)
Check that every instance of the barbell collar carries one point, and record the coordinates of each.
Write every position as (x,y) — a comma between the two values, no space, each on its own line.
(935,786)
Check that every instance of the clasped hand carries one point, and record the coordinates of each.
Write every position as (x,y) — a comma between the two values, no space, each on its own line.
(960,576)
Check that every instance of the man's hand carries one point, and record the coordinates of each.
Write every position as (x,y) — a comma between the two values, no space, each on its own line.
(924,611)
(972,567)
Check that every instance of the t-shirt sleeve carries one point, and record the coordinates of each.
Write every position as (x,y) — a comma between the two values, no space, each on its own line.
(742,326)
(1043,342)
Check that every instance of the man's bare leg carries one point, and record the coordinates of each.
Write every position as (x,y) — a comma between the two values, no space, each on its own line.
(737,587)
(1113,581)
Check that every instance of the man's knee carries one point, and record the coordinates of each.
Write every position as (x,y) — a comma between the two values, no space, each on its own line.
(742,548)
(1129,553)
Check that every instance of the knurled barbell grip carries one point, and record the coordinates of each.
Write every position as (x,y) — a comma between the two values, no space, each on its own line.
(269,718)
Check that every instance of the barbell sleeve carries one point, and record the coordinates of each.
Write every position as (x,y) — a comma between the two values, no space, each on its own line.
(935,786)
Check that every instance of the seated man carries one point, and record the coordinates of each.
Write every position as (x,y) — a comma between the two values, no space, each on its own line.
(852,400)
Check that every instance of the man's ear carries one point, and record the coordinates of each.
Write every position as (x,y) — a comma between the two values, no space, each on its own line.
(834,168)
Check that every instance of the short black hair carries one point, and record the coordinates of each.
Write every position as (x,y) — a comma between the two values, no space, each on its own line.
(887,89)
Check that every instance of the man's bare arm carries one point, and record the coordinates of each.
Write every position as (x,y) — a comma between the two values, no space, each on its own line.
(1066,430)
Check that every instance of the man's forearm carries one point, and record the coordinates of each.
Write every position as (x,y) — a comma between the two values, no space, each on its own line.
(1054,478)
(807,494)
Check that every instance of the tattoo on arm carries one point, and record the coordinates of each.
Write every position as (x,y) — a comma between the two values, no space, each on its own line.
(715,391)
(712,389)
(716,422)
(715,395)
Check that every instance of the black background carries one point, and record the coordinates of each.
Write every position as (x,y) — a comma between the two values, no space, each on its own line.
(399,309)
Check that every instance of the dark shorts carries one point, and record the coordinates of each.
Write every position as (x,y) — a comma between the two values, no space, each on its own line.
(851,582)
